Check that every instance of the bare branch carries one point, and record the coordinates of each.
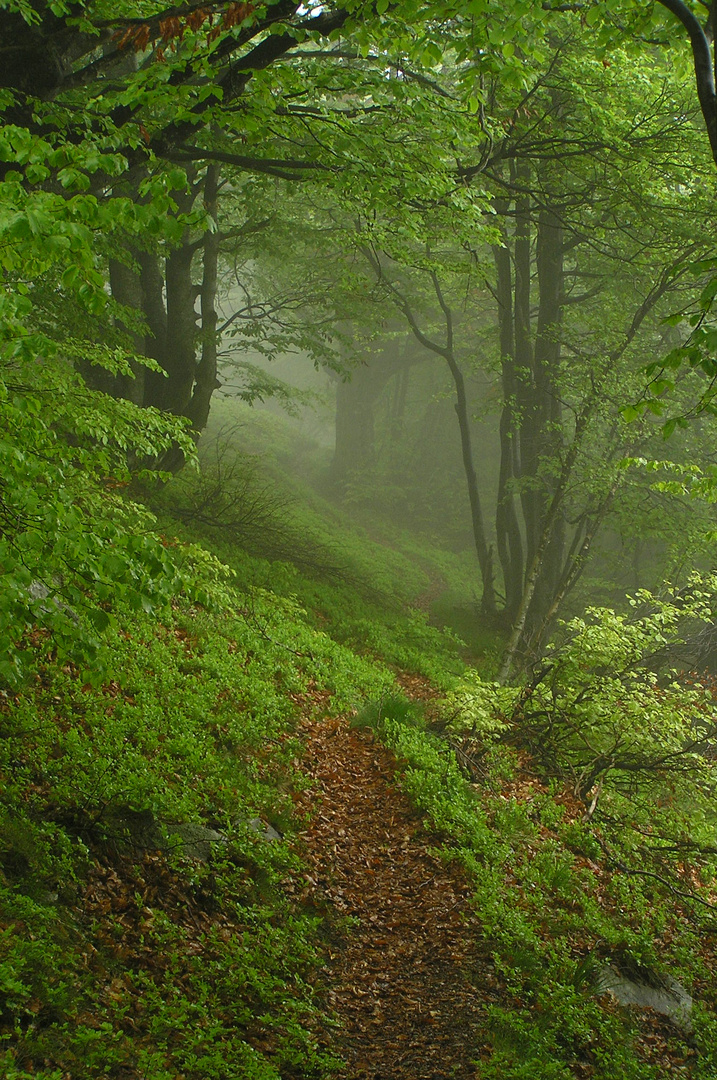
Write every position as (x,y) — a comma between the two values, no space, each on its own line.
(284,169)
(704,71)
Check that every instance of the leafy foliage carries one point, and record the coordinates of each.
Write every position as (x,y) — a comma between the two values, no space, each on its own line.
(193,726)
(559,895)
(599,708)
(149,693)
(71,549)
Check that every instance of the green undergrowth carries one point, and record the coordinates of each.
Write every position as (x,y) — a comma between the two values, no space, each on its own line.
(565,886)
(121,952)
(150,746)
(150,699)
(371,590)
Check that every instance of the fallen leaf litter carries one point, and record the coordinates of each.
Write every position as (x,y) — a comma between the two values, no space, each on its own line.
(401,972)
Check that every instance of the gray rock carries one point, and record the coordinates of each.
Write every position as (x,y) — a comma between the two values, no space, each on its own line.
(38,590)
(198,842)
(195,841)
(136,829)
(267,832)
(140,830)
(666,997)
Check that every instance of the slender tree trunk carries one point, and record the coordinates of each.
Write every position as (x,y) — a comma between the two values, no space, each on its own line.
(483,551)
(180,353)
(127,290)
(574,566)
(508,536)
(356,399)
(527,405)
(355,428)
(535,568)
(155,313)
(398,405)
(206,372)
(548,435)
(569,458)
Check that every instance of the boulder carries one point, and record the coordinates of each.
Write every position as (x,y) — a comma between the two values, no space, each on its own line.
(140,830)
(194,841)
(38,590)
(665,996)
(267,832)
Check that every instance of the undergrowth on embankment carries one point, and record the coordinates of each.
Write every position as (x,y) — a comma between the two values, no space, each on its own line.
(580,804)
(149,751)
(149,698)
(277,532)
(145,930)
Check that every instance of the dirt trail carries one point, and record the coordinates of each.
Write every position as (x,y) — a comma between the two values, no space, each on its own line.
(400,980)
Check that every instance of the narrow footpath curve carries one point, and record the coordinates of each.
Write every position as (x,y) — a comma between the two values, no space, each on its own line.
(401,980)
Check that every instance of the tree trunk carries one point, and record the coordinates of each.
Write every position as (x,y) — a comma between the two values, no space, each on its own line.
(355,435)
(179,359)
(155,314)
(536,567)
(206,373)
(127,290)
(356,398)
(164,292)
(548,435)
(569,459)
(524,385)
(398,404)
(530,424)
(508,536)
(483,551)
(575,565)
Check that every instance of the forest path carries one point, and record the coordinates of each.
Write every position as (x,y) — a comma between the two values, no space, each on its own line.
(402,980)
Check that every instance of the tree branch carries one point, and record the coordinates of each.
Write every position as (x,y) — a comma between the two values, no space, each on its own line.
(285,169)
(704,70)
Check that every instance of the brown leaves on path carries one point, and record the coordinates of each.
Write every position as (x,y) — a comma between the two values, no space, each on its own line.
(401,976)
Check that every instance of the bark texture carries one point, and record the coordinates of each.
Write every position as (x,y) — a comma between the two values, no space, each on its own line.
(160,290)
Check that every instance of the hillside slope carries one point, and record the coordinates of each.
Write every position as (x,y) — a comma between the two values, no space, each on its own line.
(272,827)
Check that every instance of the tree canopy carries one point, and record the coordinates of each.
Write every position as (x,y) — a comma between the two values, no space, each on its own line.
(532,154)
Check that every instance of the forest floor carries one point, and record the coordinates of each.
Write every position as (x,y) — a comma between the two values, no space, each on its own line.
(407,953)
(408,977)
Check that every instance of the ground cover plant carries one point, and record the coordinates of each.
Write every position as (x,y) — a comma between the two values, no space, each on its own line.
(577,804)
(148,758)
(145,928)
(372,589)
(261,799)
(586,824)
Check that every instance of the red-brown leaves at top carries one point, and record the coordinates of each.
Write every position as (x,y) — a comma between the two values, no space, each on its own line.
(174,27)
(171,27)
